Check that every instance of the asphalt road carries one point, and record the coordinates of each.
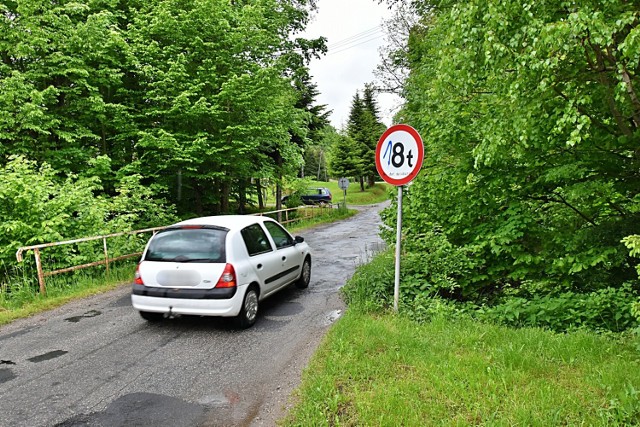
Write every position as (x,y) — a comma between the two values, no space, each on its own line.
(95,362)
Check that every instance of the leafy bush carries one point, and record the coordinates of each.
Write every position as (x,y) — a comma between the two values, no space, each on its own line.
(633,244)
(36,206)
(432,265)
(605,309)
(293,200)
(371,287)
(423,308)
(297,188)
(530,174)
(427,295)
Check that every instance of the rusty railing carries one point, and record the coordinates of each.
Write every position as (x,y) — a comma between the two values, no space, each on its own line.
(42,274)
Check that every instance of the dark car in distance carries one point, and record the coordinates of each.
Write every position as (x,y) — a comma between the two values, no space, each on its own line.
(314,196)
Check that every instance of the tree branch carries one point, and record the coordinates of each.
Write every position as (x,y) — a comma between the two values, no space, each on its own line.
(559,199)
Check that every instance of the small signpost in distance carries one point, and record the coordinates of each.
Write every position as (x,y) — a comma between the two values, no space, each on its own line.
(399,156)
(343,184)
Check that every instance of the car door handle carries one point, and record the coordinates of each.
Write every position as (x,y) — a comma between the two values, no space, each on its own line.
(284,258)
(259,266)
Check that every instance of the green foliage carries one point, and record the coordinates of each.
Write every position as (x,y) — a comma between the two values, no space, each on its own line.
(371,287)
(532,119)
(138,84)
(36,207)
(353,152)
(116,109)
(433,266)
(343,162)
(633,244)
(607,309)
(296,189)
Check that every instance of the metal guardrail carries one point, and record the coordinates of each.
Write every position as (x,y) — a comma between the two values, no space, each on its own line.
(42,274)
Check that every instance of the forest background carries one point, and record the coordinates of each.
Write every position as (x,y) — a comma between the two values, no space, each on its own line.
(119,115)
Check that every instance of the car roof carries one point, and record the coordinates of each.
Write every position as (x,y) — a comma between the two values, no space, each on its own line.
(232,222)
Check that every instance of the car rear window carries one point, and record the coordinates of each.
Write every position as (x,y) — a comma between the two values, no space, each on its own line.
(188,245)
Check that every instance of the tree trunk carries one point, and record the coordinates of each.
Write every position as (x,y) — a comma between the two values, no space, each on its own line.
(224,197)
(361,183)
(259,190)
(242,196)
(197,197)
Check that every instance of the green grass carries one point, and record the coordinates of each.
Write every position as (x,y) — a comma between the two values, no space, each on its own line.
(385,370)
(376,194)
(329,215)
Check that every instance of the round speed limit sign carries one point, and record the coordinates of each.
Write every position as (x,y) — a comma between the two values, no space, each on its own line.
(399,154)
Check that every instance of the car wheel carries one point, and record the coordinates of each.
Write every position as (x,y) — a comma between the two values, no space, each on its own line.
(152,317)
(249,310)
(305,275)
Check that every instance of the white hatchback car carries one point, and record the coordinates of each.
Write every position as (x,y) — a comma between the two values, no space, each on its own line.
(218,266)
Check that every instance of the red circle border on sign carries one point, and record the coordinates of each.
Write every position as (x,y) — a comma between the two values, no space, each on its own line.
(414,133)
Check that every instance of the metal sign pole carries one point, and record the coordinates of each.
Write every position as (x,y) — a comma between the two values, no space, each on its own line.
(399,156)
(396,289)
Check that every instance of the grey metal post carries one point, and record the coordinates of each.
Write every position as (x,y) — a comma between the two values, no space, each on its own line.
(396,289)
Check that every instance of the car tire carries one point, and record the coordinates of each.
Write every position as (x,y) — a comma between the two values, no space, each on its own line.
(152,317)
(249,310)
(305,274)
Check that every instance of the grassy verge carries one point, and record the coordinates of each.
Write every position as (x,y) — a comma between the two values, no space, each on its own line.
(376,194)
(379,369)
(329,215)
(18,301)
(384,370)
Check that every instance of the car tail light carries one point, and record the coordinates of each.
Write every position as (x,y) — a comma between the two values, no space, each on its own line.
(137,279)
(228,277)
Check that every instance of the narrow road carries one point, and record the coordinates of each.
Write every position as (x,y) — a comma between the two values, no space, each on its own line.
(95,362)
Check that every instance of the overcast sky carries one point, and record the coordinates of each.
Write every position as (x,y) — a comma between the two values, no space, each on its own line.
(354,33)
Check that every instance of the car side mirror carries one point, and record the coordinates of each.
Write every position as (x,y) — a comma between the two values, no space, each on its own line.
(299,239)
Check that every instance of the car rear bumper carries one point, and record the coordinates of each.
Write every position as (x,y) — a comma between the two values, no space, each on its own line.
(187,302)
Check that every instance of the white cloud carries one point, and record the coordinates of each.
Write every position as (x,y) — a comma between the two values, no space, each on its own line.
(353,29)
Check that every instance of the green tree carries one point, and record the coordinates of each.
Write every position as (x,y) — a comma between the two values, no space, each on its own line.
(343,156)
(364,129)
(36,206)
(218,120)
(61,69)
(197,96)
(372,129)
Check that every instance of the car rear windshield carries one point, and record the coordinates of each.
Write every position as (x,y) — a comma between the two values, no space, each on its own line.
(188,245)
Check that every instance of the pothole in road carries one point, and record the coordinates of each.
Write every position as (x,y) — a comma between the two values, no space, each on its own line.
(88,314)
(142,410)
(6,374)
(47,356)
